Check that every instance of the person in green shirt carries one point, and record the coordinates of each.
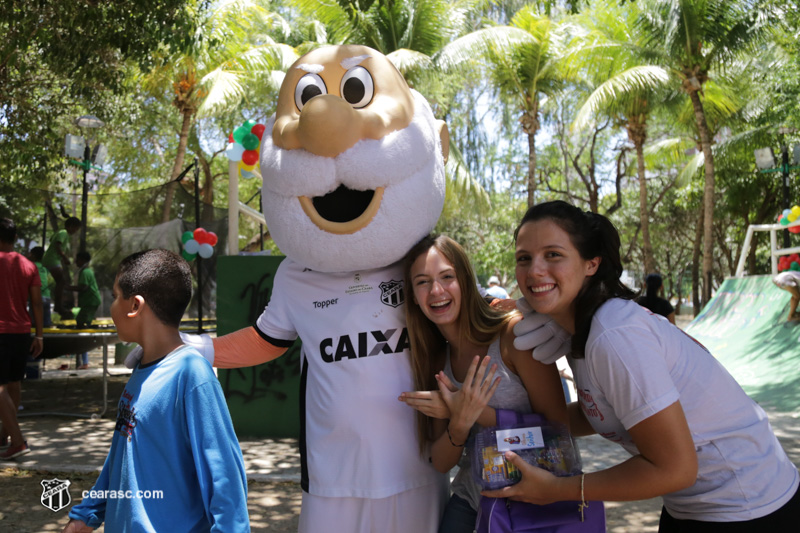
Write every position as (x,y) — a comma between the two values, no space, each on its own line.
(35,255)
(56,259)
(88,298)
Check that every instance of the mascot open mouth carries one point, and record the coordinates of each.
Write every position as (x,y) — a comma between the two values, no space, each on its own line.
(344,210)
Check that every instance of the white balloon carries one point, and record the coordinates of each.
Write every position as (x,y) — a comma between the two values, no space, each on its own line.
(206,251)
(191,246)
(234,151)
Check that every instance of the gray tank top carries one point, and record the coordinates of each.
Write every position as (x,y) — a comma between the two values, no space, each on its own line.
(510,394)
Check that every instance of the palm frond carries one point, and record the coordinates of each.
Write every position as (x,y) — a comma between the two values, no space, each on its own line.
(461,182)
(623,93)
(407,60)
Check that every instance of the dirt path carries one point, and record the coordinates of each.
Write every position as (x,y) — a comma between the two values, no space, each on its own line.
(73,449)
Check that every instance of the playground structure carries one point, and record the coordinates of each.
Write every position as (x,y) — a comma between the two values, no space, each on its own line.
(775,252)
(237,207)
(744,326)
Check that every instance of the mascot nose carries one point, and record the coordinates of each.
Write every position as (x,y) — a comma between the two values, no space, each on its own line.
(328,126)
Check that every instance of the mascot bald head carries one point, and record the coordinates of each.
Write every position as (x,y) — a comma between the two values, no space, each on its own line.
(353,170)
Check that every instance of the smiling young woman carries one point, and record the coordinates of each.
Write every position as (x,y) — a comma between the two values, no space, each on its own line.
(458,345)
(694,436)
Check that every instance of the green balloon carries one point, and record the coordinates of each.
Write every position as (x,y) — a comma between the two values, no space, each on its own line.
(250,142)
(248,124)
(794,266)
(189,257)
(239,133)
(784,221)
(187,235)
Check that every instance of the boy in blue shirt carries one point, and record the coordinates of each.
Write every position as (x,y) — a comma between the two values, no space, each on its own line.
(175,464)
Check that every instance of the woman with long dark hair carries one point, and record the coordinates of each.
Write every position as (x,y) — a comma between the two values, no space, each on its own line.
(695,438)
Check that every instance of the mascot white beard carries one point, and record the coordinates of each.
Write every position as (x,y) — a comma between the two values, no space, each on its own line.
(407,163)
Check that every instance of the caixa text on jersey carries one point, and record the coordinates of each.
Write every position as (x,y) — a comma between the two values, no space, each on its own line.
(365,344)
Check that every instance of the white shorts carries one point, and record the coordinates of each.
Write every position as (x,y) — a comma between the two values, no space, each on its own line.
(417,510)
(787,278)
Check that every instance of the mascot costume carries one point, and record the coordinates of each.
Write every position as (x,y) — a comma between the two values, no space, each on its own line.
(353,177)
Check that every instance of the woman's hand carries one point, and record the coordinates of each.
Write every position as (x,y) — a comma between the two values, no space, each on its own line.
(536,486)
(466,405)
(427,402)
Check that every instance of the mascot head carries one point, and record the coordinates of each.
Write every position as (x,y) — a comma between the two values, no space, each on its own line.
(353,171)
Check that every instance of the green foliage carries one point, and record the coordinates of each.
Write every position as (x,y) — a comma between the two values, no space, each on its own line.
(488,238)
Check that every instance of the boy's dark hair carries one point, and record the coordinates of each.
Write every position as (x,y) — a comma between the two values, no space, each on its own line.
(8,230)
(83,254)
(162,278)
(72,222)
(37,252)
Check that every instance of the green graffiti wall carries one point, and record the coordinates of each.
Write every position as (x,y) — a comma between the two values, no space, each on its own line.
(263,400)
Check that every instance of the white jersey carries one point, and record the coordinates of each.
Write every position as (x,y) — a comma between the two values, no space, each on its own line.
(359,440)
(636,365)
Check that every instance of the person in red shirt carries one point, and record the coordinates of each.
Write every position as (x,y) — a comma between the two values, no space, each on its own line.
(19,280)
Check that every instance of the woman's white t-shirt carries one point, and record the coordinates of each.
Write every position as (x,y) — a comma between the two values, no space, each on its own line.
(636,365)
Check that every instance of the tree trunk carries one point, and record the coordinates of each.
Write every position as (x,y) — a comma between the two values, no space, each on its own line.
(637,134)
(708,195)
(177,167)
(698,233)
(207,190)
(530,125)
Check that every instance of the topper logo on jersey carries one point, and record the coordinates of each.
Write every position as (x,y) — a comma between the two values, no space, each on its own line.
(392,293)
(367,343)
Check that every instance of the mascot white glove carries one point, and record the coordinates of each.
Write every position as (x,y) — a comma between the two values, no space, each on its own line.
(540,333)
(202,343)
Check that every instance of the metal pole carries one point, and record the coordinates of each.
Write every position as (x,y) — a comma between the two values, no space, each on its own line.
(84,195)
(199,259)
(785,175)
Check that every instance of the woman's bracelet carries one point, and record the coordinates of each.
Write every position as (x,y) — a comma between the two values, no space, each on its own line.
(40,338)
(451,438)
(583,505)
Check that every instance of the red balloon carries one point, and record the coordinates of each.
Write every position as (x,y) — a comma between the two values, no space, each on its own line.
(200,235)
(258,130)
(212,238)
(230,138)
(250,157)
(794,229)
(794,257)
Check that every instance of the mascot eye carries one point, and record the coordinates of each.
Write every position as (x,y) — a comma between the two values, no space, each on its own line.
(308,87)
(357,87)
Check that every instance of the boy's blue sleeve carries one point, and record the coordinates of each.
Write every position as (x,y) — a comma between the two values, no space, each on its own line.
(92,511)
(217,458)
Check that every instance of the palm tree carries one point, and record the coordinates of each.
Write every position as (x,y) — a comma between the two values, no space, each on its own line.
(689,38)
(523,59)
(627,92)
(208,77)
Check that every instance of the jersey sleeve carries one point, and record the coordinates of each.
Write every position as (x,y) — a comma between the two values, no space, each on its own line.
(216,454)
(275,323)
(627,363)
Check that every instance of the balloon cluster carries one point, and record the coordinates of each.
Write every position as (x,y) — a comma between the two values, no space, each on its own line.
(788,216)
(789,262)
(243,146)
(198,242)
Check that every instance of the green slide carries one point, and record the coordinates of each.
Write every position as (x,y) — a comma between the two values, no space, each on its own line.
(744,326)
